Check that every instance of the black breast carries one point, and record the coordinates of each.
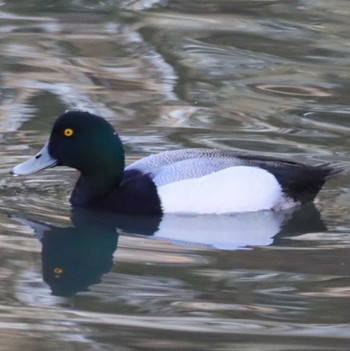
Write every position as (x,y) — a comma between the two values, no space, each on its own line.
(137,194)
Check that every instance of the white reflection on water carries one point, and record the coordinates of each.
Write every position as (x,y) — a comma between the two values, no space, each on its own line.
(222,232)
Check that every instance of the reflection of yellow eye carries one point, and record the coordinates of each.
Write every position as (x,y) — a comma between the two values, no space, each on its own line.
(68,132)
(58,270)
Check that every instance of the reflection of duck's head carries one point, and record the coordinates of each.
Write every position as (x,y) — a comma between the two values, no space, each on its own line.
(198,181)
(74,257)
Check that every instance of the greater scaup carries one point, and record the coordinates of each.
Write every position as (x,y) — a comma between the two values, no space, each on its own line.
(189,181)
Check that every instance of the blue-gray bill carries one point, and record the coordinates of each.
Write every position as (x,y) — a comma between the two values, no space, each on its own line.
(35,164)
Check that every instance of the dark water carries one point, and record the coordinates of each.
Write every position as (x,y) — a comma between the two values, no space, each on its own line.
(268,77)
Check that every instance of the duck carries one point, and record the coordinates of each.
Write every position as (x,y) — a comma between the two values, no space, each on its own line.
(194,181)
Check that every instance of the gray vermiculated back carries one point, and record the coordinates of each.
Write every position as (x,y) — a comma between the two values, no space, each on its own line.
(171,166)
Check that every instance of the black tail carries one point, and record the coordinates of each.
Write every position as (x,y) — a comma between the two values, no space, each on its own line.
(334,169)
(303,183)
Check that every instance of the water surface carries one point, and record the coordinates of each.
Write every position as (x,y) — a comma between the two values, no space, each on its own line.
(267,77)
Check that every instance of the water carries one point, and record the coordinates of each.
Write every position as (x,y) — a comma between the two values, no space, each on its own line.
(268,77)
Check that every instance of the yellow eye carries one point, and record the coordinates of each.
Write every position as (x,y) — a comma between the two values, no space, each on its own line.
(58,270)
(68,132)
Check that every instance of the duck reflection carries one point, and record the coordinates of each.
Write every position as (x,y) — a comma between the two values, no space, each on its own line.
(76,257)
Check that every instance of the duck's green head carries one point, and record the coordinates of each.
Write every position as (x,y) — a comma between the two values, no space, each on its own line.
(83,141)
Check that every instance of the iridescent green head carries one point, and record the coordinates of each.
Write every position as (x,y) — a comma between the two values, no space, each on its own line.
(83,141)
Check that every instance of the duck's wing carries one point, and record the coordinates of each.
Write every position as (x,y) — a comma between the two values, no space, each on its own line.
(172,166)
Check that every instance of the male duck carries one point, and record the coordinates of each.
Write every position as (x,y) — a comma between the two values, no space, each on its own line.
(191,180)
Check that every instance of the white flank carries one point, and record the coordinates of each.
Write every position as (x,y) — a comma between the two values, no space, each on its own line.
(234,189)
